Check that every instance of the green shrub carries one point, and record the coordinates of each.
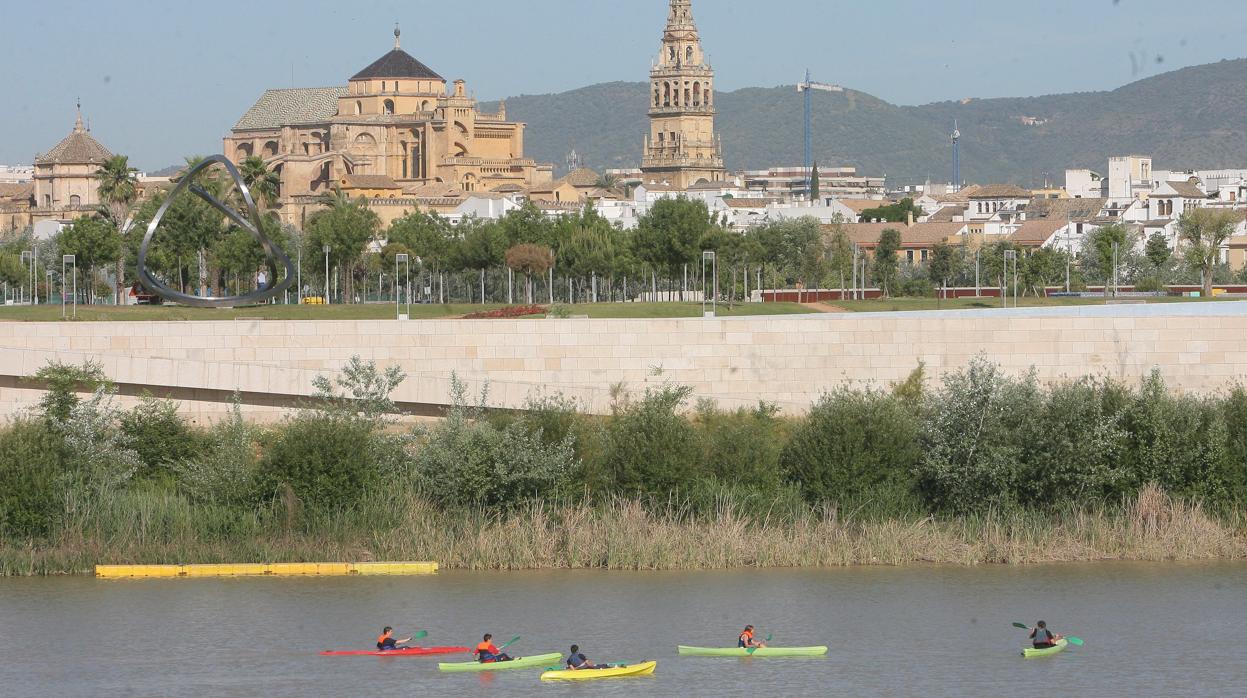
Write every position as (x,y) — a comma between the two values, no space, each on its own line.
(325,459)
(62,382)
(1150,284)
(1179,442)
(977,432)
(1079,441)
(462,461)
(651,449)
(742,448)
(1235,409)
(31,482)
(159,435)
(856,446)
(226,469)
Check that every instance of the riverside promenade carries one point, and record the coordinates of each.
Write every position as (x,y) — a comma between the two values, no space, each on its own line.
(788,360)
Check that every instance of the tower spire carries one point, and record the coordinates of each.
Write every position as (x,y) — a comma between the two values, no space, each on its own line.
(78,122)
(397,33)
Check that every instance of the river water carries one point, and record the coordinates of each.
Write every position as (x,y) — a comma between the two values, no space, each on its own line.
(1150,629)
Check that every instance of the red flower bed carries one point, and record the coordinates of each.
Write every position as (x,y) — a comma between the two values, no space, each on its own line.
(511,311)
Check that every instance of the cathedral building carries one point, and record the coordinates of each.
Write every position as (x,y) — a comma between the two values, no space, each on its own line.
(682,149)
(65,186)
(396,134)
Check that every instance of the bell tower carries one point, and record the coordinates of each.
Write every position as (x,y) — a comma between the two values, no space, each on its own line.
(682,148)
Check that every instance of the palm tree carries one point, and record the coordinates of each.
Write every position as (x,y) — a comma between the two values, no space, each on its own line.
(118,190)
(263,182)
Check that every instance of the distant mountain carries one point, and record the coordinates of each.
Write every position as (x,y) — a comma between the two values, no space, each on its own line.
(1193,117)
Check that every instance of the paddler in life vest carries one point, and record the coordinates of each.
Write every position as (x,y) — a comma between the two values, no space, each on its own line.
(386,641)
(486,653)
(576,661)
(747,640)
(1042,637)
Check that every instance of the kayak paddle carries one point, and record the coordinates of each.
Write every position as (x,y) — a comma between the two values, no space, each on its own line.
(1076,641)
(508,643)
(751,650)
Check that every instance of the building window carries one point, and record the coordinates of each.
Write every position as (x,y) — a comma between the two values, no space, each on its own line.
(396,86)
(688,55)
(924,255)
(909,256)
(383,86)
(389,106)
(47,201)
(75,200)
(359,107)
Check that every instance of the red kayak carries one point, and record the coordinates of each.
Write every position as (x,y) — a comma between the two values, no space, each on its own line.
(402,652)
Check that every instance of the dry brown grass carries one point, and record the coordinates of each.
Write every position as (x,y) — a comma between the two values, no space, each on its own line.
(625,535)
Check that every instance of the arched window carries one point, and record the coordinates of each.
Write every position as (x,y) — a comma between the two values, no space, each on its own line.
(365,140)
(242,152)
(657,97)
(688,55)
(270,149)
(389,106)
(75,200)
(666,94)
(396,86)
(707,96)
(424,106)
(697,94)
(687,95)
(359,107)
(383,86)
(671,53)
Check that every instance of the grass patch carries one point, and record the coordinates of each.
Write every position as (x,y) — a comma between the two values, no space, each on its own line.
(109,313)
(885,305)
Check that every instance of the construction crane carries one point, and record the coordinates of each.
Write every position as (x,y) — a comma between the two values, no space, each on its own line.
(808,86)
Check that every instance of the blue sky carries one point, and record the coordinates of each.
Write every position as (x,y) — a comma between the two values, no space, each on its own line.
(160,80)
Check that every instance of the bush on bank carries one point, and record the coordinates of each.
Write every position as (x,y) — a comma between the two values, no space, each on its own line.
(982,441)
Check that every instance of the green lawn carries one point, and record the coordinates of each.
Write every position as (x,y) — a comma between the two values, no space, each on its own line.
(48,313)
(107,313)
(903,304)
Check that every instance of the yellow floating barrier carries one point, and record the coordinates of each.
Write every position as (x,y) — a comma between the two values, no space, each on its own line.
(274,569)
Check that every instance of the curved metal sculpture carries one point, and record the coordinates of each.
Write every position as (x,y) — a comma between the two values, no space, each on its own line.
(251,224)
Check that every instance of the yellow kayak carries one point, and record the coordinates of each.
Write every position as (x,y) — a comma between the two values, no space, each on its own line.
(642,669)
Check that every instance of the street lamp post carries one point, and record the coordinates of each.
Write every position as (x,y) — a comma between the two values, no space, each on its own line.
(34,277)
(404,259)
(326,249)
(708,256)
(67,260)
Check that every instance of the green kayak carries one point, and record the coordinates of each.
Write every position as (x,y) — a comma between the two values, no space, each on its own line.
(1031,653)
(536,660)
(686,651)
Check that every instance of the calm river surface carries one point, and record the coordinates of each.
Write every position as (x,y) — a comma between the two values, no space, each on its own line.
(1151,629)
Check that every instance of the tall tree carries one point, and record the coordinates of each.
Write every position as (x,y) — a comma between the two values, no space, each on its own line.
(816,186)
(1157,250)
(943,265)
(885,259)
(529,260)
(840,251)
(347,228)
(1099,250)
(93,242)
(265,185)
(1202,232)
(118,190)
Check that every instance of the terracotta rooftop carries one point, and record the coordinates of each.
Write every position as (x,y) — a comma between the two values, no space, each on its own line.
(1076,209)
(945,214)
(78,148)
(17,192)
(583,177)
(397,64)
(1187,190)
(747,203)
(916,235)
(1000,191)
(304,105)
(1036,233)
(859,205)
(367,181)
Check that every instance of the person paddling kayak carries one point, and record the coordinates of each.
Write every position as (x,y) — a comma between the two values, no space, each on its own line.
(1042,637)
(386,641)
(747,640)
(487,653)
(576,661)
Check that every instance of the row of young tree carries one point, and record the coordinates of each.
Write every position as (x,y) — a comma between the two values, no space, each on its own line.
(526,255)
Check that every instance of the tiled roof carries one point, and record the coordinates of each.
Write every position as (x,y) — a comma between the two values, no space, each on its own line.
(1000,191)
(916,235)
(859,205)
(945,214)
(17,192)
(747,203)
(1036,233)
(963,195)
(1187,190)
(508,188)
(1076,209)
(397,64)
(78,148)
(304,105)
(557,205)
(366,181)
(583,177)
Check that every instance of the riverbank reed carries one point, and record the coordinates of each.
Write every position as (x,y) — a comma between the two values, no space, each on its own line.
(623,534)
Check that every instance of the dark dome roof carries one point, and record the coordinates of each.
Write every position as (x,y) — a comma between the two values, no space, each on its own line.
(397,64)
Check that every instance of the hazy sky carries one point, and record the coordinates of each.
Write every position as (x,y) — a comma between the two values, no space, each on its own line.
(160,80)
